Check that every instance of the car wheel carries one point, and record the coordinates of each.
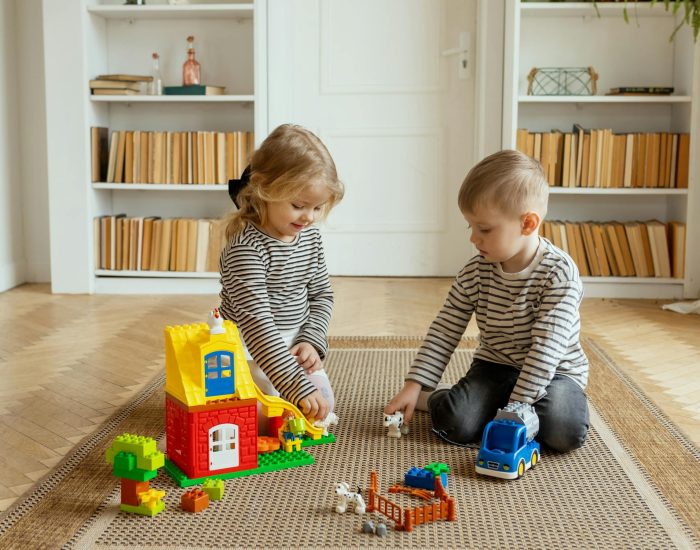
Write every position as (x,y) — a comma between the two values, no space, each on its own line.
(521,468)
(534,458)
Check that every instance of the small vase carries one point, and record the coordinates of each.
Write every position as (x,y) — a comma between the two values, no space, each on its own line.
(191,73)
(155,86)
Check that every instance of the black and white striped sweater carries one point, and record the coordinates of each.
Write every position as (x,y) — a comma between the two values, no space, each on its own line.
(528,319)
(268,286)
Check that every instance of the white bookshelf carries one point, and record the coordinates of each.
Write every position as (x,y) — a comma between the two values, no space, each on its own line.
(638,53)
(109,37)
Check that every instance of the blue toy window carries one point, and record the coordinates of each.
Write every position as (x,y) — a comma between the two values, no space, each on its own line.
(218,374)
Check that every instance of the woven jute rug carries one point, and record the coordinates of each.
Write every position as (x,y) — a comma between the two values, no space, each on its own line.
(634,484)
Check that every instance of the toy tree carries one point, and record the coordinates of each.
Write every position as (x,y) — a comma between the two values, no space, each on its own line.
(136,461)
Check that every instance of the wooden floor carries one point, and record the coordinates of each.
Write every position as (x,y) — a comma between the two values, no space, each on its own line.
(68,362)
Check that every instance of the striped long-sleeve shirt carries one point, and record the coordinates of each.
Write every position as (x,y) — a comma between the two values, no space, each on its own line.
(529,320)
(268,286)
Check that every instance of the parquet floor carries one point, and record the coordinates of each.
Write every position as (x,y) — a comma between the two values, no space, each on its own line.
(68,362)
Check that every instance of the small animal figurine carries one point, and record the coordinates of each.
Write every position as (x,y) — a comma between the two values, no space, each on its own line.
(395,424)
(345,497)
(330,420)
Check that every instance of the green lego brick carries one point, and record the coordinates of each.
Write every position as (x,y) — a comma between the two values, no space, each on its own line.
(142,509)
(150,462)
(267,462)
(437,468)
(139,445)
(307,441)
(214,488)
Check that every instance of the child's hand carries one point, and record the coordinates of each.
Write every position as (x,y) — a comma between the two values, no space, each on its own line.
(405,400)
(307,357)
(315,406)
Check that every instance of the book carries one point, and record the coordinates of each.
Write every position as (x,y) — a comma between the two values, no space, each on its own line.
(115,85)
(624,248)
(641,90)
(125,77)
(109,91)
(634,238)
(112,162)
(99,152)
(646,246)
(121,150)
(601,253)
(659,248)
(589,247)
(202,245)
(677,234)
(194,89)
(683,161)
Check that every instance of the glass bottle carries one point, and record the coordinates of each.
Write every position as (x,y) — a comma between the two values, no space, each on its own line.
(191,68)
(155,86)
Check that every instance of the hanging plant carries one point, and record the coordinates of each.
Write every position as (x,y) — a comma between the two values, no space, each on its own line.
(691,13)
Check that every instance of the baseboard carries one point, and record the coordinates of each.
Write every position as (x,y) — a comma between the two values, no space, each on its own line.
(12,274)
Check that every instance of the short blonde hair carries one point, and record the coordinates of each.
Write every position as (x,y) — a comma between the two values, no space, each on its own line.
(290,159)
(508,180)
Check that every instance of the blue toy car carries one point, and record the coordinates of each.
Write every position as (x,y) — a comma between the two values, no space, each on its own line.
(508,448)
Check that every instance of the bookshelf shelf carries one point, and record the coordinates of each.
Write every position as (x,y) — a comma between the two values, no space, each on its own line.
(172,98)
(158,274)
(636,192)
(535,34)
(662,99)
(202,11)
(159,187)
(587,9)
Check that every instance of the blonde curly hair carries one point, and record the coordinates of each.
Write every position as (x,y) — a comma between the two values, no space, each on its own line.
(290,159)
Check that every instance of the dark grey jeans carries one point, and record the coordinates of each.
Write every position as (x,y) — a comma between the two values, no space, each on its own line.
(460,414)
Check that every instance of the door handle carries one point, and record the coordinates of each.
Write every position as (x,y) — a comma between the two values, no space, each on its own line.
(463,52)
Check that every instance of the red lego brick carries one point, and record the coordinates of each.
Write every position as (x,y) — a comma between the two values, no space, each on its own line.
(131,489)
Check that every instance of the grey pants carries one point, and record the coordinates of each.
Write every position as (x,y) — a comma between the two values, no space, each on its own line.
(460,414)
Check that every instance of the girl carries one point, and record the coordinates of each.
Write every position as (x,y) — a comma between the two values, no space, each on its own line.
(274,281)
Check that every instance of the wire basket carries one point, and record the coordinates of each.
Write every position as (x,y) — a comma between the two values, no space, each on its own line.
(562,81)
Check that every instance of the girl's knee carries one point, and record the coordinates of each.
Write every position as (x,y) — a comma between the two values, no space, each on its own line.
(320,380)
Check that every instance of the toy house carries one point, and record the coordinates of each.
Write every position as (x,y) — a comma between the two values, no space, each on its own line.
(212,406)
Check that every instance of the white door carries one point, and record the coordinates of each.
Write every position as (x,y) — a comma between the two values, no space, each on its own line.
(369,77)
(223,447)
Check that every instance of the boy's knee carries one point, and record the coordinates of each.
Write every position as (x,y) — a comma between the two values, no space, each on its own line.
(563,434)
(451,423)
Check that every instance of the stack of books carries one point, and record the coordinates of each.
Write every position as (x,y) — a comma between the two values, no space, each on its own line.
(118,84)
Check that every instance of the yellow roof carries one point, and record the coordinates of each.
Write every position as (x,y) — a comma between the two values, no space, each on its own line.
(186,347)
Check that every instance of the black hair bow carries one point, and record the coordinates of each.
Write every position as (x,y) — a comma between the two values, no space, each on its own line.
(235,186)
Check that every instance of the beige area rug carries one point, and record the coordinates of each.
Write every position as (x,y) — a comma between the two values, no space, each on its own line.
(634,484)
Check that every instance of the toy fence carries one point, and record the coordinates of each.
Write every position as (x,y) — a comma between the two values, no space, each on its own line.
(405,518)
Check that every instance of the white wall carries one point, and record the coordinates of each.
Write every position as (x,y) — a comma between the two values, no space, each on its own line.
(32,116)
(24,234)
(12,260)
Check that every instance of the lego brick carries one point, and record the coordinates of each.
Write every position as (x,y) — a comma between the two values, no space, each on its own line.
(214,488)
(194,500)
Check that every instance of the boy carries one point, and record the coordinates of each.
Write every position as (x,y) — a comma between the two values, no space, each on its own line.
(525,294)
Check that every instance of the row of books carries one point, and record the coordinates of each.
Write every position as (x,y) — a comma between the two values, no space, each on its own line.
(155,244)
(194,157)
(630,249)
(600,158)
